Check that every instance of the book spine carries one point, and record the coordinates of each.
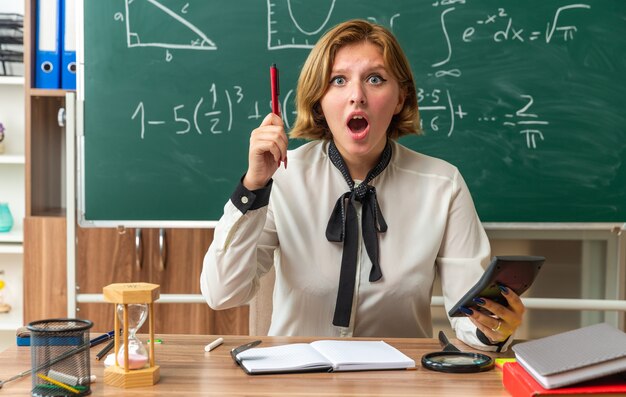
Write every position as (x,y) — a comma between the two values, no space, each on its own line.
(520,383)
(516,383)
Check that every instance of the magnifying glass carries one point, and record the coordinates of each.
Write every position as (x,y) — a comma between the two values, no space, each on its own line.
(452,360)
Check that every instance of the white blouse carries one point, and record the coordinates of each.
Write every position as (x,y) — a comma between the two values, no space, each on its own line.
(432,227)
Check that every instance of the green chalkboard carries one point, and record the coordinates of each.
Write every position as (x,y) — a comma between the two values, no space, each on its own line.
(527,98)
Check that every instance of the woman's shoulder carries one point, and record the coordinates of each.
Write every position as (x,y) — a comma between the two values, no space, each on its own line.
(302,158)
(308,154)
(411,161)
(308,150)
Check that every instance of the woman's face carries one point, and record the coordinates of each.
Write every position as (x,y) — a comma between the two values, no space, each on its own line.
(362,98)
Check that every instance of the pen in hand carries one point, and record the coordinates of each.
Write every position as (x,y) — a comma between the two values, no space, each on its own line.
(275,89)
(275,92)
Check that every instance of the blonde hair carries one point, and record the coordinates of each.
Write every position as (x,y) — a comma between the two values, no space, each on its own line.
(316,72)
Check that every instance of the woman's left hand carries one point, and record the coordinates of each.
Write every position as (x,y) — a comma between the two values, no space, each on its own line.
(505,320)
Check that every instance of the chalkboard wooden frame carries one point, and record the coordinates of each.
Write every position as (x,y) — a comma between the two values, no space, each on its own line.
(526,104)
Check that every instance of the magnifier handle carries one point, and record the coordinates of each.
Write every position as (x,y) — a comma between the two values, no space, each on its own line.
(445,343)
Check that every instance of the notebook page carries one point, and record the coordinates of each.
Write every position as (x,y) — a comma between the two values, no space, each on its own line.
(362,355)
(282,358)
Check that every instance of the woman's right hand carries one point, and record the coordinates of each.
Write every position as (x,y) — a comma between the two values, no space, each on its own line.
(268,147)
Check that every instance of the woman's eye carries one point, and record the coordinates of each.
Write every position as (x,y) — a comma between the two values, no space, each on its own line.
(338,80)
(376,79)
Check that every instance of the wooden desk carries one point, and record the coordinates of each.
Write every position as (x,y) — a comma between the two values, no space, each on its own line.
(186,370)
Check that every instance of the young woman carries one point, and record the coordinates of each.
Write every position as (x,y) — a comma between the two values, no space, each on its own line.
(357,225)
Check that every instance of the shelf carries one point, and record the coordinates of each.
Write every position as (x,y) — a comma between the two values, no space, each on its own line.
(14,236)
(49,213)
(11,80)
(12,159)
(6,248)
(39,92)
(11,242)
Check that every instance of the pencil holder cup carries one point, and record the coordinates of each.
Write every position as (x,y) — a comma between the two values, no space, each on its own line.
(60,357)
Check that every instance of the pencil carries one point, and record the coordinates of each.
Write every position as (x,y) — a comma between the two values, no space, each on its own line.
(102,338)
(60,384)
(105,350)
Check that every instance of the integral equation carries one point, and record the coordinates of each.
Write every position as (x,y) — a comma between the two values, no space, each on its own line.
(437,106)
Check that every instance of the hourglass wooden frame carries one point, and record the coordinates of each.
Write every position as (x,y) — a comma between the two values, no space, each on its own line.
(125,294)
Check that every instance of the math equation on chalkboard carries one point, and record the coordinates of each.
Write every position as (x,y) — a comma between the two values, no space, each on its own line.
(442,110)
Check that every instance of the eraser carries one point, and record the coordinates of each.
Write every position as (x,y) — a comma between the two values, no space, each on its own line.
(500,361)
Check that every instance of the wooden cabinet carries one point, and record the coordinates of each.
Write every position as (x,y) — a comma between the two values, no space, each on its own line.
(45,293)
(102,256)
(178,270)
(106,256)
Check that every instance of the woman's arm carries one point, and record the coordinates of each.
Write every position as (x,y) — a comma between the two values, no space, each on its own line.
(465,250)
(245,237)
(241,252)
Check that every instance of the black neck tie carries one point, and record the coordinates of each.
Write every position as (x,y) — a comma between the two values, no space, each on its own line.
(343,226)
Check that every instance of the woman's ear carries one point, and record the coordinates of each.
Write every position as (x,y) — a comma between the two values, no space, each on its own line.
(401,97)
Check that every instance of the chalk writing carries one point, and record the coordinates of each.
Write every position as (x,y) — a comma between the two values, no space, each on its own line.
(290,25)
(503,33)
(436,104)
(504,30)
(515,33)
(195,38)
(384,21)
(528,122)
(212,114)
(281,19)
(438,111)
(204,117)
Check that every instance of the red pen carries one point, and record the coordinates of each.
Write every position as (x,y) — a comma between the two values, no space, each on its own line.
(275,93)
(275,89)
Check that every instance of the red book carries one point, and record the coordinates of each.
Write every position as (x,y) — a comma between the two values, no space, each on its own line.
(520,383)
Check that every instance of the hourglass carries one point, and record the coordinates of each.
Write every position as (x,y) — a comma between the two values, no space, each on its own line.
(134,366)
(137,353)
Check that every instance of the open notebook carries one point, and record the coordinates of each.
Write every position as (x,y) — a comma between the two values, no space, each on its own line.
(323,355)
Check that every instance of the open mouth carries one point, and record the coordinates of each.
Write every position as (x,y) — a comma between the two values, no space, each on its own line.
(357,124)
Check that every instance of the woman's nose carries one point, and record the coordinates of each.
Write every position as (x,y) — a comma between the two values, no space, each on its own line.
(357,95)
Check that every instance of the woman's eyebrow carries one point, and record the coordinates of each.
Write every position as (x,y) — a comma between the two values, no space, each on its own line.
(375,68)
